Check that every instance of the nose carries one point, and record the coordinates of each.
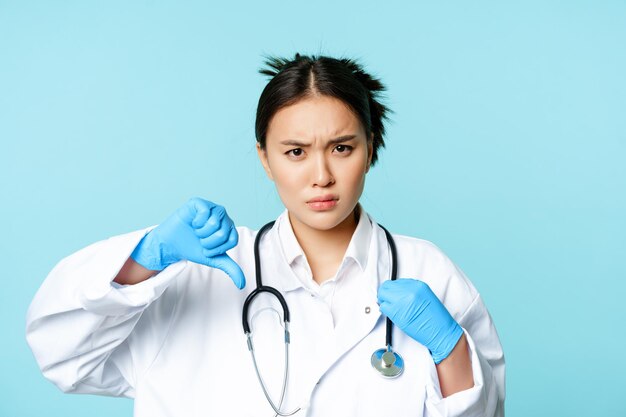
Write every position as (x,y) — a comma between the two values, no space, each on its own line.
(322,175)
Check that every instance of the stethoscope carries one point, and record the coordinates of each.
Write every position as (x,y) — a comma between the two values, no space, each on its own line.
(385,360)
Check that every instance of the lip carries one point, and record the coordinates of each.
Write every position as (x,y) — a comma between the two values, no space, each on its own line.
(322,203)
(327,197)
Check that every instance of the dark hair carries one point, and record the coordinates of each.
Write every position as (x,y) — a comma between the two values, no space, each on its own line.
(306,76)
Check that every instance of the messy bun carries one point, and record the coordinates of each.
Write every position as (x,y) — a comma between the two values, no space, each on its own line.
(305,76)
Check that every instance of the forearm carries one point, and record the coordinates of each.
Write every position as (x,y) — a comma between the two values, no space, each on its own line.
(455,371)
(133,273)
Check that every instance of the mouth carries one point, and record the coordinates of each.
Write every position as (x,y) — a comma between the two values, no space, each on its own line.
(322,203)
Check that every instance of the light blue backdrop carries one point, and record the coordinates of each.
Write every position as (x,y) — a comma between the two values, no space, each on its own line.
(507,149)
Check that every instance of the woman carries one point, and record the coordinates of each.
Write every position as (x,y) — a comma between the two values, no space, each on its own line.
(149,315)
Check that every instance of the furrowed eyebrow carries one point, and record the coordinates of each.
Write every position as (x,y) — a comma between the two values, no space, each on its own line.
(340,139)
(292,142)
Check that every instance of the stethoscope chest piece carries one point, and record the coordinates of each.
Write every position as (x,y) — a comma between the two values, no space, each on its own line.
(387,362)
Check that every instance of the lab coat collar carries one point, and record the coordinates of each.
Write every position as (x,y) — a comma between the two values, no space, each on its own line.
(282,235)
(357,248)
(360,242)
(289,245)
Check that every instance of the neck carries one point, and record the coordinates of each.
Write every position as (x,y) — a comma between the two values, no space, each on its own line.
(325,249)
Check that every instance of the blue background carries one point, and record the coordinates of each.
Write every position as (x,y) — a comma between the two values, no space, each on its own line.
(507,149)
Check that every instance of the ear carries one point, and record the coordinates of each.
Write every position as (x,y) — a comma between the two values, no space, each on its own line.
(370,152)
(263,158)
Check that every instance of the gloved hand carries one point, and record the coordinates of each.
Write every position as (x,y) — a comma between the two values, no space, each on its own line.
(412,306)
(199,231)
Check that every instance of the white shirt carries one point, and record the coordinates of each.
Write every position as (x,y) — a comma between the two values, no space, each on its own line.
(175,342)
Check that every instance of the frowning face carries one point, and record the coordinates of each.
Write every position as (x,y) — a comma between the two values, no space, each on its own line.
(317,154)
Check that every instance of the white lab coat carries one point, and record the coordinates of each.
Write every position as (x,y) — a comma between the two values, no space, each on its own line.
(175,342)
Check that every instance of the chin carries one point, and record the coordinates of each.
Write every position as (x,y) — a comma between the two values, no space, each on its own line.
(322,220)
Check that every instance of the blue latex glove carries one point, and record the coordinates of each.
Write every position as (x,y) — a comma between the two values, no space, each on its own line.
(199,231)
(412,306)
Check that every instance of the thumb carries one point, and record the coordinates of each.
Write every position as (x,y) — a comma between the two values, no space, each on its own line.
(226,264)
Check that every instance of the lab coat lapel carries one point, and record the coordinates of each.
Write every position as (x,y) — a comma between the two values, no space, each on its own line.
(359,320)
(359,295)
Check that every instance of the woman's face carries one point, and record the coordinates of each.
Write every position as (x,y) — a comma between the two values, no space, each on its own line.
(317,154)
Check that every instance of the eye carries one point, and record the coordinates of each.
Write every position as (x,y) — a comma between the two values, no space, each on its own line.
(295,153)
(343,148)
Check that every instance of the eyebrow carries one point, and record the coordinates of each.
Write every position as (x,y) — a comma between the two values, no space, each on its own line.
(293,142)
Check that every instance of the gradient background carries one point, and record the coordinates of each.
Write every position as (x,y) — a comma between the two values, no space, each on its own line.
(507,149)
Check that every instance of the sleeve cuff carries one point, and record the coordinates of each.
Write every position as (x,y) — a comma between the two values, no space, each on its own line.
(98,293)
(478,401)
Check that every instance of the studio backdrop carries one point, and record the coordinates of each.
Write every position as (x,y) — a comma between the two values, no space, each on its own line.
(506,148)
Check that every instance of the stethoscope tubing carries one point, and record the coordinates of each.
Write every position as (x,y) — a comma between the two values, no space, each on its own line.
(394,275)
(260,288)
